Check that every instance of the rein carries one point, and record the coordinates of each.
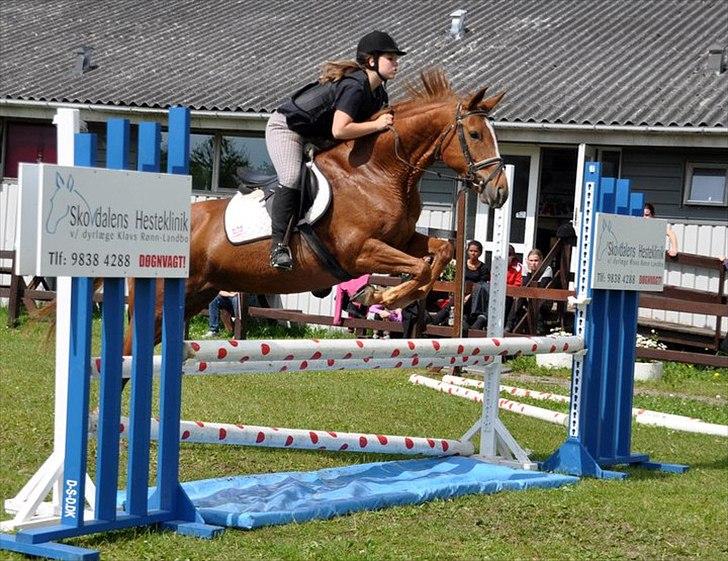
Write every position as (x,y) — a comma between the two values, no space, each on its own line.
(470,176)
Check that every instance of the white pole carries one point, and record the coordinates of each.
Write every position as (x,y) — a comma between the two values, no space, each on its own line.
(307,439)
(496,312)
(28,505)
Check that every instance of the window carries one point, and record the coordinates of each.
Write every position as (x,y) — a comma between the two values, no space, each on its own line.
(706,184)
(240,151)
(610,162)
(214,159)
(202,160)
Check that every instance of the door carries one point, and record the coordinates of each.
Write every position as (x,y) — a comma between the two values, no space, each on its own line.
(523,191)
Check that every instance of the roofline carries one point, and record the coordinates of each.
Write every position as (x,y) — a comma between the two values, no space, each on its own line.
(715,137)
(98,112)
(505,125)
(612,135)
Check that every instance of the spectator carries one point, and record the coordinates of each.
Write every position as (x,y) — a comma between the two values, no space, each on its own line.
(477,273)
(379,312)
(225,301)
(533,262)
(649,212)
(514,274)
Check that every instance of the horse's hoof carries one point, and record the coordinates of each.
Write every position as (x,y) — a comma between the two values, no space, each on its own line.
(365,295)
(322,293)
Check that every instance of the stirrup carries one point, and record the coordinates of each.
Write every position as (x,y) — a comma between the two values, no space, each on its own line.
(280,257)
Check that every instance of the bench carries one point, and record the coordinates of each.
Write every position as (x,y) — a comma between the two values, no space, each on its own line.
(18,292)
(688,300)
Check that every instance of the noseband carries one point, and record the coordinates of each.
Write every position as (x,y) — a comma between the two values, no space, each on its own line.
(470,177)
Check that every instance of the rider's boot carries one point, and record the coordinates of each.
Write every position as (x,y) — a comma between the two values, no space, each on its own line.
(283,216)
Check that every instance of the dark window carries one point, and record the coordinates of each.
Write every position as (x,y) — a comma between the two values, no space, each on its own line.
(610,162)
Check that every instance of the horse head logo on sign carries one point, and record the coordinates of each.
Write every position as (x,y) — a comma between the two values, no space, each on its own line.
(64,198)
(607,238)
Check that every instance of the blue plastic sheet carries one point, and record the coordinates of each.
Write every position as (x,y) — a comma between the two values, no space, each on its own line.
(252,501)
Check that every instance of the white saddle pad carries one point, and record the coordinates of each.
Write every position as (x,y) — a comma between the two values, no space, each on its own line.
(247,220)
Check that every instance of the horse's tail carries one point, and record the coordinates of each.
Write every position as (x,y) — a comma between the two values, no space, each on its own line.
(48,313)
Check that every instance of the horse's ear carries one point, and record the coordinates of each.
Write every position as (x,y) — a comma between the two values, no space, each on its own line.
(59,181)
(492,101)
(475,100)
(69,183)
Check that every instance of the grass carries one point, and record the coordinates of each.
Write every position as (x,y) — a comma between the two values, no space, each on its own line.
(650,515)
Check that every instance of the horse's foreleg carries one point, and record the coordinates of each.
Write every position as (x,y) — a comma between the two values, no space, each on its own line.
(377,256)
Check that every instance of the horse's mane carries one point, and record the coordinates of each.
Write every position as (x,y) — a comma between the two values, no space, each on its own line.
(432,87)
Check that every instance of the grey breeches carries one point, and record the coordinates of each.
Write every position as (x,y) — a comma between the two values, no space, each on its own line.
(285,149)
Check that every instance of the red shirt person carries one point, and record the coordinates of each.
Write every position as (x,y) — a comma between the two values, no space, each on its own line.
(514,274)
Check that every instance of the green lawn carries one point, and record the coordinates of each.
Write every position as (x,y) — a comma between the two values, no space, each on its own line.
(647,516)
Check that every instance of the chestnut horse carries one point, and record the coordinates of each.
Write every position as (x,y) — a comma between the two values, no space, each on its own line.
(370,225)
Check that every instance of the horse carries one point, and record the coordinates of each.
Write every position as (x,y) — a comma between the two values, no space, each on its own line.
(370,225)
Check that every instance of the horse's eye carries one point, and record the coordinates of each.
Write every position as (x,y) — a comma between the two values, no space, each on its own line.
(475,135)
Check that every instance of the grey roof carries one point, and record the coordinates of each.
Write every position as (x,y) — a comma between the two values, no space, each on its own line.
(613,62)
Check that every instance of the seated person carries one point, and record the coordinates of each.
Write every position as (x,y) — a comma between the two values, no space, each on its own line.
(478,317)
(476,272)
(514,273)
(649,212)
(343,302)
(379,312)
(226,301)
(533,262)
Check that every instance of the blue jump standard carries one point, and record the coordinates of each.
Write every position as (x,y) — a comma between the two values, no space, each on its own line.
(600,413)
(169,506)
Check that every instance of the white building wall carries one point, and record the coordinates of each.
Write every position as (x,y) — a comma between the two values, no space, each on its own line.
(702,239)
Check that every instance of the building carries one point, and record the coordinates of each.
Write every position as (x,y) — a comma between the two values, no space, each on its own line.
(640,85)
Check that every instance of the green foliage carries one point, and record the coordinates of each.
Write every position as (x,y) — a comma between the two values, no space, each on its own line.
(448,273)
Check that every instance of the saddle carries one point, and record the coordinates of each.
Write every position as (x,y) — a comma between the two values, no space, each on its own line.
(250,180)
(259,189)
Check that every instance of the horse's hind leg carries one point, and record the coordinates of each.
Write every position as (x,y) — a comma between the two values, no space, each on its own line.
(382,258)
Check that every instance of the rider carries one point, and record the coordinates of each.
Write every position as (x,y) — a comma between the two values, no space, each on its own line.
(338,107)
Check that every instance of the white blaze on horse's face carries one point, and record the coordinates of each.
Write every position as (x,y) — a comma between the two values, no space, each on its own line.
(472,149)
(493,179)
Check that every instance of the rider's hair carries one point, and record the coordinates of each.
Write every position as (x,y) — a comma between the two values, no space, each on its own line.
(536,251)
(335,70)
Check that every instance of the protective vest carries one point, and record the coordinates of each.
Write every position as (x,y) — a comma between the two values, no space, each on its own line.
(310,110)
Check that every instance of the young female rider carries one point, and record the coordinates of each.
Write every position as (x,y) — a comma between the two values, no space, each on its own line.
(337,108)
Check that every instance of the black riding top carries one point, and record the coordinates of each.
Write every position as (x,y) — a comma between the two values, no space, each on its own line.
(352,95)
(480,274)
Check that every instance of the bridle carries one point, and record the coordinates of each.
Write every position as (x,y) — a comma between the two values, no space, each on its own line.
(470,178)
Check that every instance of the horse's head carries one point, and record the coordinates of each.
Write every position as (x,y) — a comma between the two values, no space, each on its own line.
(471,149)
(61,200)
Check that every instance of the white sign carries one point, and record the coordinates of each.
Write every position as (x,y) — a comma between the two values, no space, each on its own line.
(629,253)
(92,222)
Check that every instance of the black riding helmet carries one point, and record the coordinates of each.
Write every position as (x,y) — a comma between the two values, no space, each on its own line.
(376,43)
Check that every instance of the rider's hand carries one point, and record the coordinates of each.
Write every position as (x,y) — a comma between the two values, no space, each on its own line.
(384,120)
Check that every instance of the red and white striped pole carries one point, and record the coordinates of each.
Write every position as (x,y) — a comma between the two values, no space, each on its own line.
(310,439)
(346,349)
